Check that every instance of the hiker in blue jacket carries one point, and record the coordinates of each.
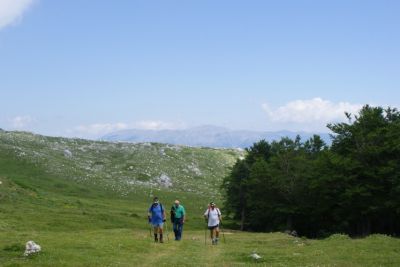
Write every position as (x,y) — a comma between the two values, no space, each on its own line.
(156,216)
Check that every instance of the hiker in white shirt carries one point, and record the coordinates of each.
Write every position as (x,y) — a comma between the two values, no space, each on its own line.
(213,219)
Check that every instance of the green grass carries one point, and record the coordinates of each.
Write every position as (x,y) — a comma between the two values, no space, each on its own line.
(134,247)
(87,223)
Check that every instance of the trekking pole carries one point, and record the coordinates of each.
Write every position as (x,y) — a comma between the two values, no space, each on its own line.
(148,221)
(166,231)
(150,230)
(222,230)
(205,235)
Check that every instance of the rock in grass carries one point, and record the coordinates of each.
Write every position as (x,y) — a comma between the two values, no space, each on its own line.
(255,256)
(67,153)
(31,248)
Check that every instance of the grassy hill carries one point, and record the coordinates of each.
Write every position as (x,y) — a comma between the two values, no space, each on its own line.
(85,203)
(123,167)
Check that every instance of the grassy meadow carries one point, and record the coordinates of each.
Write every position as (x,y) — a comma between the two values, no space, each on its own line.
(134,247)
(87,223)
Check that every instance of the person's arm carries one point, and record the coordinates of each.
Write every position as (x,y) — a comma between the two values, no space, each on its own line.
(183,214)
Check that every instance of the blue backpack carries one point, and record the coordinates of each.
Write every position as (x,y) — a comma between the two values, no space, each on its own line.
(153,205)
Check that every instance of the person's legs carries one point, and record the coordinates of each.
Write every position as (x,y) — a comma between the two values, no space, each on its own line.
(212,235)
(216,234)
(180,229)
(214,240)
(175,226)
(155,233)
(161,233)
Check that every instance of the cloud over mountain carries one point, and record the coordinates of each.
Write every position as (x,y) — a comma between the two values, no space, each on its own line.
(311,115)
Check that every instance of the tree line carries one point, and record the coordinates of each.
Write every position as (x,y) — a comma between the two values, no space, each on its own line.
(351,186)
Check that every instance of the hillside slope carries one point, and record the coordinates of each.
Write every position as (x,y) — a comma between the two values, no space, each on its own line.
(123,167)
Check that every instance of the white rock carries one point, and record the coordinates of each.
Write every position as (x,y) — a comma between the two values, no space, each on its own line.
(193,167)
(162,152)
(31,247)
(67,153)
(255,256)
(164,180)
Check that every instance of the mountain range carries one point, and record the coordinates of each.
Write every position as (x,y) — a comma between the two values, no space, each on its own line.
(207,136)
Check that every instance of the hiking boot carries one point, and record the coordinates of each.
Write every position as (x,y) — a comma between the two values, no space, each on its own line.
(213,241)
(216,241)
(155,238)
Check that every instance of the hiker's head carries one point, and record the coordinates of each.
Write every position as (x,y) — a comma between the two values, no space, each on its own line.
(155,200)
(176,203)
(212,204)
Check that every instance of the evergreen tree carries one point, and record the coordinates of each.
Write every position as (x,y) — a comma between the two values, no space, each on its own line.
(368,152)
(235,186)
(352,187)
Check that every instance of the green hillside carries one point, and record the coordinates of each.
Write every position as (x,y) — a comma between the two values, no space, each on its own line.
(122,167)
(65,174)
(85,203)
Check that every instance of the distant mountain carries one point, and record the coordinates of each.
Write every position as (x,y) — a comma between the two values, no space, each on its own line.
(206,136)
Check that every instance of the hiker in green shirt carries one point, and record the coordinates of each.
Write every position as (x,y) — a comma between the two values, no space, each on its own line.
(178,219)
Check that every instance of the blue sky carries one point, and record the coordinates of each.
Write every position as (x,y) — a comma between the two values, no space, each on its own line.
(85,68)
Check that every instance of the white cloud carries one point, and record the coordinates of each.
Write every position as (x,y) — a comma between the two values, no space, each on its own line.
(21,122)
(97,130)
(309,115)
(12,10)
(158,125)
